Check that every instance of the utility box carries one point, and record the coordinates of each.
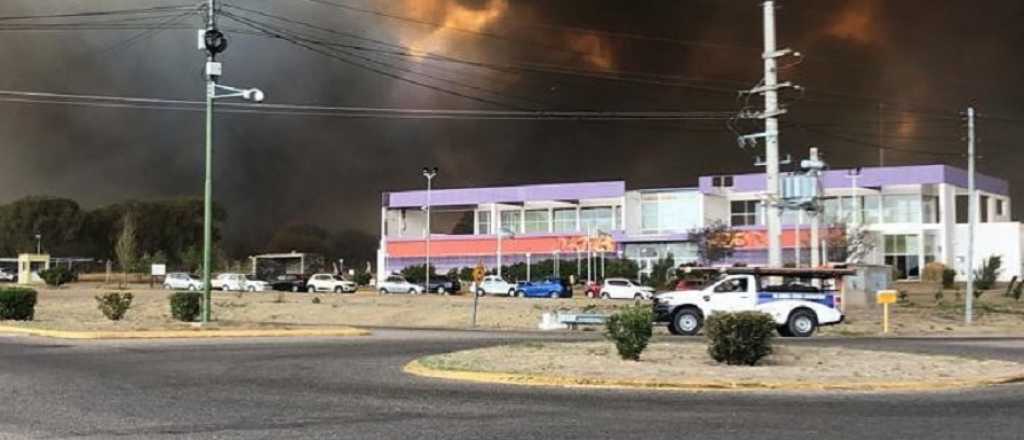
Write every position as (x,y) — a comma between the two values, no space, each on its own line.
(29,266)
(862,287)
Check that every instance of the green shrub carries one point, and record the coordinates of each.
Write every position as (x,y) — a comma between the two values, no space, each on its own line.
(316,300)
(1017,291)
(985,277)
(362,278)
(948,278)
(742,338)
(630,329)
(185,306)
(17,304)
(114,305)
(57,276)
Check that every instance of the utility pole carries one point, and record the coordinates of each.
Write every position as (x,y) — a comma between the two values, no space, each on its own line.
(770,88)
(972,216)
(213,42)
(430,174)
(881,136)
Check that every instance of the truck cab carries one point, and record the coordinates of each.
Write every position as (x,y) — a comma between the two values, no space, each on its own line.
(798,309)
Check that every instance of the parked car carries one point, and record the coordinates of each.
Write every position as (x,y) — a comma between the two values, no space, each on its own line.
(325,282)
(546,288)
(397,284)
(495,285)
(443,285)
(239,282)
(7,276)
(182,281)
(797,310)
(289,283)
(622,288)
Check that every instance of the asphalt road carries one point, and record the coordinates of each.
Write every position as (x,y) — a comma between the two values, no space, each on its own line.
(354,388)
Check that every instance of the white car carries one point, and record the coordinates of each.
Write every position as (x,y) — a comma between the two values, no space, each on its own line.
(621,288)
(181,281)
(798,310)
(7,276)
(397,284)
(239,282)
(495,285)
(325,282)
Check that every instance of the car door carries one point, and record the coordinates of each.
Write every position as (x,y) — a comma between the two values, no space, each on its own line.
(731,294)
(617,289)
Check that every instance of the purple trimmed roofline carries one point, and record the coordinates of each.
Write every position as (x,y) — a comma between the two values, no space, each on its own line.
(879,176)
(507,194)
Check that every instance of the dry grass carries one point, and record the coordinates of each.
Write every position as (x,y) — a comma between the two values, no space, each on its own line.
(690,362)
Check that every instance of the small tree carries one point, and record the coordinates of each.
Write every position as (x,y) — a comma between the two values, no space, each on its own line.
(631,330)
(126,246)
(985,277)
(742,338)
(114,305)
(417,274)
(715,242)
(859,244)
(663,272)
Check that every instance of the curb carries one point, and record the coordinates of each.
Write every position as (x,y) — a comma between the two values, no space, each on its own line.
(185,334)
(417,368)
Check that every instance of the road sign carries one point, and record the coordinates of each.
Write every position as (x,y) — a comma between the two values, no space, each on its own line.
(886,297)
(158,270)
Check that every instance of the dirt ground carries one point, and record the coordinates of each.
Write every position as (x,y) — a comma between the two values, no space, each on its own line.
(690,362)
(74,308)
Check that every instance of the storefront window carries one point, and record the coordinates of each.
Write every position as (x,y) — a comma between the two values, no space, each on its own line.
(565,220)
(537,221)
(930,209)
(902,253)
(597,219)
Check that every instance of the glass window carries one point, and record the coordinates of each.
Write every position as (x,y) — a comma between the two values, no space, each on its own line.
(999,207)
(745,212)
(565,220)
(537,221)
(930,208)
(665,212)
(901,252)
(962,209)
(597,219)
(983,208)
(901,208)
(512,221)
(483,222)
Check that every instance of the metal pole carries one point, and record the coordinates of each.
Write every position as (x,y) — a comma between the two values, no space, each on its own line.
(881,137)
(528,263)
(499,253)
(796,238)
(771,104)
(426,268)
(972,216)
(211,90)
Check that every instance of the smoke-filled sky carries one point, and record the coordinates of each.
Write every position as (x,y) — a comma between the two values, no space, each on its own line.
(923,60)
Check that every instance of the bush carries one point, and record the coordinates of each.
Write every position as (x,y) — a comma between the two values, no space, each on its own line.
(185,306)
(742,338)
(316,300)
(57,276)
(114,305)
(985,277)
(933,272)
(630,329)
(17,304)
(1017,291)
(948,278)
(362,278)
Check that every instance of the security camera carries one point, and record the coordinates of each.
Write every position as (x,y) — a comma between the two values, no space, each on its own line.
(254,95)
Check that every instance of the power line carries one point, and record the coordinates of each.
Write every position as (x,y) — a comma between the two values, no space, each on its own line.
(872,145)
(350,111)
(136,11)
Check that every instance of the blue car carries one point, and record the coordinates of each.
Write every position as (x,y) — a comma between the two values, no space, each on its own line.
(546,288)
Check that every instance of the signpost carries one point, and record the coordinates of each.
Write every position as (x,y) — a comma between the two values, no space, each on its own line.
(886,297)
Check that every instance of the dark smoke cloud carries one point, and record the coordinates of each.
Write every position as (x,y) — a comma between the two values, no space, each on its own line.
(277,170)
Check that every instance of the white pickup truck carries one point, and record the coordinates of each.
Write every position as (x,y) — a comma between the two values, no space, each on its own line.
(494,285)
(798,309)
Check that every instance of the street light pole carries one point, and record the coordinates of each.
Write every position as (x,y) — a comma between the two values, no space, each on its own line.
(213,42)
(429,173)
(39,244)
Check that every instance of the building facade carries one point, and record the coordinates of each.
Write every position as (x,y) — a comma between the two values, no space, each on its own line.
(911,215)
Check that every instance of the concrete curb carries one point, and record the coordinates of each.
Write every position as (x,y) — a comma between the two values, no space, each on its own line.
(417,368)
(186,334)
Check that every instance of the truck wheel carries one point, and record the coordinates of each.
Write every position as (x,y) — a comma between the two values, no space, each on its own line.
(687,322)
(802,324)
(383,291)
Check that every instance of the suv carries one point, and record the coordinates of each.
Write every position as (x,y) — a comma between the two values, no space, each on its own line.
(798,310)
(289,283)
(239,282)
(621,288)
(181,281)
(397,284)
(546,288)
(443,285)
(325,282)
(495,285)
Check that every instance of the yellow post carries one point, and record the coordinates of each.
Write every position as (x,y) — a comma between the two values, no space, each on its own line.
(885,297)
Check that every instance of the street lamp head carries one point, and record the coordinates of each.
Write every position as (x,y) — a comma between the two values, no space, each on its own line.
(430,173)
(254,95)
